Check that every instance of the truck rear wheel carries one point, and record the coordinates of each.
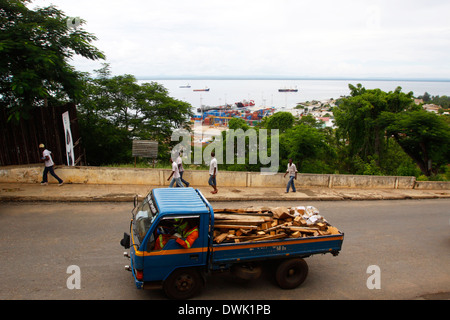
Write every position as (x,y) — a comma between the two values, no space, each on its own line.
(183,284)
(291,273)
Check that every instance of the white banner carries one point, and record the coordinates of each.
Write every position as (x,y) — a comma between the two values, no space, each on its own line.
(68,138)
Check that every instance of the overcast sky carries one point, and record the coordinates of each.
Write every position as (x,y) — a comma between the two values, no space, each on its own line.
(263,38)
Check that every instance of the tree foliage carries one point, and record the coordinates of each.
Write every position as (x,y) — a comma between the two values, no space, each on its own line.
(280,120)
(369,118)
(308,145)
(35,49)
(424,136)
(378,133)
(357,119)
(117,109)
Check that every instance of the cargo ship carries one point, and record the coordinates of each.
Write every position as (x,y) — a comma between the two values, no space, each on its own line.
(206,89)
(245,103)
(288,90)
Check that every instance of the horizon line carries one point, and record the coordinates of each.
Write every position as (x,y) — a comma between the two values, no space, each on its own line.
(247,77)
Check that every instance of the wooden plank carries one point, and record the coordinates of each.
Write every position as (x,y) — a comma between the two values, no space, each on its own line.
(241,213)
(276,227)
(281,213)
(222,216)
(333,230)
(243,238)
(299,221)
(301,229)
(245,231)
(296,234)
(234,226)
(221,237)
(321,225)
(269,237)
(239,222)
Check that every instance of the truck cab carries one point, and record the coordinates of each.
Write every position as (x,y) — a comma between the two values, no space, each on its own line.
(157,257)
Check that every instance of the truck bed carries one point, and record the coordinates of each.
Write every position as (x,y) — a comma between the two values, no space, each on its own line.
(226,253)
(270,233)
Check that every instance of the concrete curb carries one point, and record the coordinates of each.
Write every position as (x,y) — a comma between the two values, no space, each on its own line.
(15,192)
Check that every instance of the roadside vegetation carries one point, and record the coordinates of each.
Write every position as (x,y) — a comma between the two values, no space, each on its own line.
(378,133)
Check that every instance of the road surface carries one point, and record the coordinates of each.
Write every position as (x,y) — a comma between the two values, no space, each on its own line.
(401,246)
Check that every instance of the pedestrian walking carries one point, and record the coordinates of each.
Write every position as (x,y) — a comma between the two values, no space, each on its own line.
(292,170)
(213,173)
(175,175)
(46,157)
(181,169)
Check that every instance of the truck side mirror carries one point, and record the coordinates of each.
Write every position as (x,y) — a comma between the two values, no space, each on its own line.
(135,201)
(125,242)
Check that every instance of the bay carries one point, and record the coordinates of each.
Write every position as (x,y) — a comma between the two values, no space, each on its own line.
(265,93)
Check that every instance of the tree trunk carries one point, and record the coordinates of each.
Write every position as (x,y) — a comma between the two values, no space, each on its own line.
(422,163)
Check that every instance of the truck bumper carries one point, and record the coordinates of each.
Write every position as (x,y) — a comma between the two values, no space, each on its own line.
(139,284)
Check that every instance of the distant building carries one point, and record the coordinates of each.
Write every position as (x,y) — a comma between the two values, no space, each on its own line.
(431,107)
(328,121)
(418,101)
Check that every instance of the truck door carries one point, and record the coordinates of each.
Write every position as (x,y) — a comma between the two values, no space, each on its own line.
(164,254)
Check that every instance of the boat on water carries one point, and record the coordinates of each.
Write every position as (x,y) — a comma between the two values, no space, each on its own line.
(245,103)
(206,89)
(288,90)
(185,86)
(210,108)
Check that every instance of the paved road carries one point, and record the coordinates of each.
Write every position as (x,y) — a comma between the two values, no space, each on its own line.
(409,240)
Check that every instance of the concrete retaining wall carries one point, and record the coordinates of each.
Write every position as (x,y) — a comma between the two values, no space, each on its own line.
(158,177)
(432,185)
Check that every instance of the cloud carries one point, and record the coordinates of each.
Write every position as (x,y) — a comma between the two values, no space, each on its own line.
(268,37)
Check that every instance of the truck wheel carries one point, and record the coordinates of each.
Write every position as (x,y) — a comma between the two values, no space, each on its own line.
(291,273)
(183,284)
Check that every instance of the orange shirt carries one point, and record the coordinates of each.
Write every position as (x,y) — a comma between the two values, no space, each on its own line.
(190,237)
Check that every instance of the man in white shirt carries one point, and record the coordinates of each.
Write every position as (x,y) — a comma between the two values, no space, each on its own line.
(176,175)
(48,162)
(181,170)
(213,173)
(292,170)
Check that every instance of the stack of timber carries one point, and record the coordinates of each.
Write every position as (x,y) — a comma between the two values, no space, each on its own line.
(261,224)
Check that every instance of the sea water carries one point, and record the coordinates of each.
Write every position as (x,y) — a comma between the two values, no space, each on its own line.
(264,93)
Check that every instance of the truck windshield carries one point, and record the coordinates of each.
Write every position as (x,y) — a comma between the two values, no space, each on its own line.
(146,214)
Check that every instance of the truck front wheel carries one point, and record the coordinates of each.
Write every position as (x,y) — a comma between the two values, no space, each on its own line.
(183,284)
(291,273)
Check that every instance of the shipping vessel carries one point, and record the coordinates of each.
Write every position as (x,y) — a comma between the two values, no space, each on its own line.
(206,89)
(288,90)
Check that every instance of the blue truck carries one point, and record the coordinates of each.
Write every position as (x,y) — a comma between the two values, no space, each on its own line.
(181,271)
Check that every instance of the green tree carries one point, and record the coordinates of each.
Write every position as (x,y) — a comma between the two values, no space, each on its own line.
(238,123)
(308,148)
(357,118)
(426,97)
(423,135)
(35,49)
(117,109)
(280,120)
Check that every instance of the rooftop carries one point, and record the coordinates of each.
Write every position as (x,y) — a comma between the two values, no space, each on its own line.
(179,200)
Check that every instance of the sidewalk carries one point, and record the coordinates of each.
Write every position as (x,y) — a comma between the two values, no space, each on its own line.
(120,193)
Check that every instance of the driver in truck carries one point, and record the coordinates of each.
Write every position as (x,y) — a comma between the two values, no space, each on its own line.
(187,232)
(184,231)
